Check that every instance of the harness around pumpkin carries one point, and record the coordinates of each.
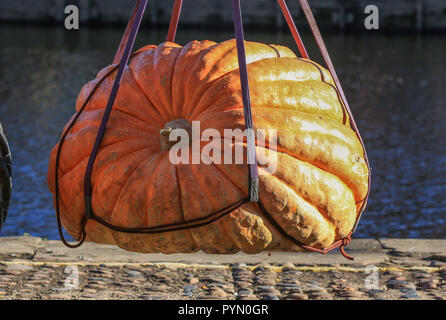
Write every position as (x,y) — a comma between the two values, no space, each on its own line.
(122,58)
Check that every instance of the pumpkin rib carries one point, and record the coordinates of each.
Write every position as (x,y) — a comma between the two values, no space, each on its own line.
(197,112)
(261,214)
(213,204)
(209,78)
(212,56)
(146,128)
(234,78)
(334,167)
(155,128)
(200,204)
(102,147)
(140,87)
(90,87)
(232,51)
(335,213)
(177,109)
(126,183)
(299,105)
(158,211)
(72,231)
(162,82)
(183,110)
(215,110)
(304,211)
(319,210)
(293,155)
(90,132)
(75,212)
(289,153)
(159,110)
(332,164)
(105,89)
(180,195)
(326,127)
(102,150)
(82,163)
(346,118)
(126,179)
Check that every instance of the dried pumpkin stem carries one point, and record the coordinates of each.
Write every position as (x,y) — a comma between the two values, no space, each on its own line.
(169,127)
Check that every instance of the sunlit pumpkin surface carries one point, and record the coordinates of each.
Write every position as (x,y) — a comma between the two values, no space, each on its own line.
(315,193)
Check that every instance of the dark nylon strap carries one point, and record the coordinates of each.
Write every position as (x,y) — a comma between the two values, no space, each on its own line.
(252,160)
(140,8)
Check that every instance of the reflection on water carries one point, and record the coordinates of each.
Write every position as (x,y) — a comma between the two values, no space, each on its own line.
(395,86)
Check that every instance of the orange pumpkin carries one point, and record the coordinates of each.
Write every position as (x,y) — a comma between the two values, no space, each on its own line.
(315,194)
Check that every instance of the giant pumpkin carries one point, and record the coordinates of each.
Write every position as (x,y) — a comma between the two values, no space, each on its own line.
(314,194)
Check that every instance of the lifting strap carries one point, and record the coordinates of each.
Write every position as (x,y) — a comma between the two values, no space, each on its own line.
(121,60)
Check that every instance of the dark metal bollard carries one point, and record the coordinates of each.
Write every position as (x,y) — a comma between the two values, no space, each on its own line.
(5,177)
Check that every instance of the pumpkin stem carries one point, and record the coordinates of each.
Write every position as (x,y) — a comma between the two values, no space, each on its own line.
(169,127)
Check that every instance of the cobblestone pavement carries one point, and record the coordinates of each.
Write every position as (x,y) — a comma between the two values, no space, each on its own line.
(238,281)
(22,277)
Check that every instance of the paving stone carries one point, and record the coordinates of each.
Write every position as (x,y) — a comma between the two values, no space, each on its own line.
(410,295)
(244,292)
(429,285)
(19,267)
(188,293)
(89,291)
(193,280)
(217,293)
(297,296)
(249,298)
(190,287)
(314,289)
(59,296)
(134,273)
(268,290)
(397,284)
(266,282)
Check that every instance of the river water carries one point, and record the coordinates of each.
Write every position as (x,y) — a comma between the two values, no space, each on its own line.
(395,85)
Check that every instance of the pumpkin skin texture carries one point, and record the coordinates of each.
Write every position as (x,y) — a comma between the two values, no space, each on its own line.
(315,194)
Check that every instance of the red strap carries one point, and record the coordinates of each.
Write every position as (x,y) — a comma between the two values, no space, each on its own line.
(174,19)
(292,26)
(126,35)
(323,49)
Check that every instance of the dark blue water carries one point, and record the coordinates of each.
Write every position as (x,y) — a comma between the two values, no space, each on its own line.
(395,84)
